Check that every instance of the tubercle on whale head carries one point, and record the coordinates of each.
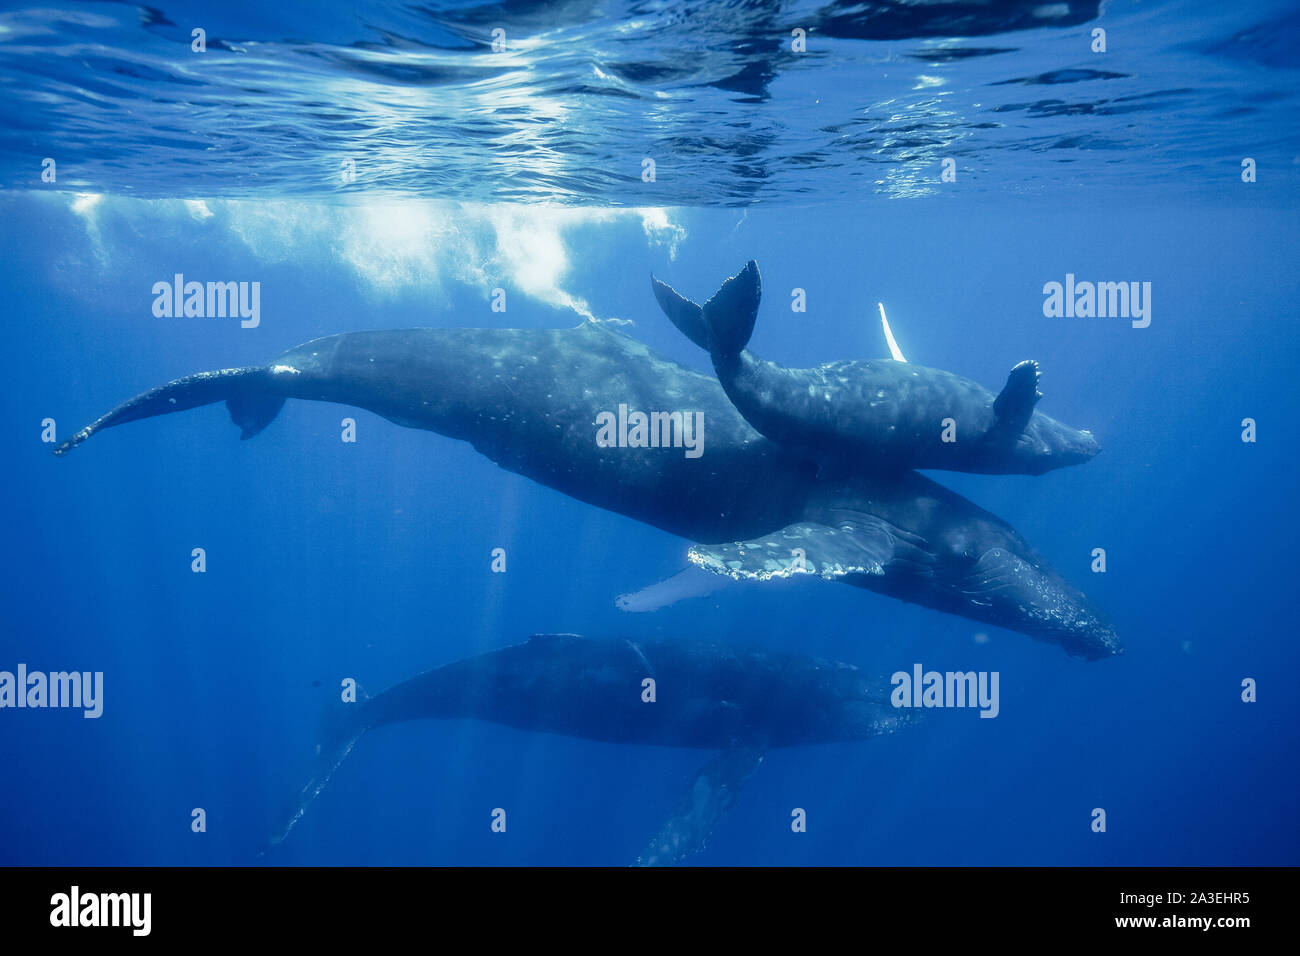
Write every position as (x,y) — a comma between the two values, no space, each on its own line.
(1097,641)
(1077,629)
(1012,588)
(1048,444)
(871,716)
(1081,446)
(1080,629)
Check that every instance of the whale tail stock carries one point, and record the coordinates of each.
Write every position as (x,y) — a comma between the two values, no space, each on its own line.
(247,392)
(722,325)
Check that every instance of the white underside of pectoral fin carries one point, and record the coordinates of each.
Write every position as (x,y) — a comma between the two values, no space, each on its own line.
(709,796)
(894,351)
(861,545)
(691,582)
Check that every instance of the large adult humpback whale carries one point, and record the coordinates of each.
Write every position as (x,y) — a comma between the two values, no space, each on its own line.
(530,399)
(882,414)
(705,695)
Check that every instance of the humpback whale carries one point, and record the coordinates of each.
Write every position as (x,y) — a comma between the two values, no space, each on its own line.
(707,696)
(880,415)
(528,399)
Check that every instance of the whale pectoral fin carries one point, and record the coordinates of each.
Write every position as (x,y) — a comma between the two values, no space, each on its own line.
(861,545)
(730,315)
(894,351)
(690,582)
(341,727)
(253,411)
(682,312)
(237,384)
(710,795)
(1015,403)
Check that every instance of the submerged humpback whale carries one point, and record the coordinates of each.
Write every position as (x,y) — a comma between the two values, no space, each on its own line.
(706,696)
(529,400)
(879,415)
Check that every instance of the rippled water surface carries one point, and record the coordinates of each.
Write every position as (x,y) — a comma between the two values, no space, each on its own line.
(567,101)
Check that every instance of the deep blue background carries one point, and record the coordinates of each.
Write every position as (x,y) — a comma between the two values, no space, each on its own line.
(372,560)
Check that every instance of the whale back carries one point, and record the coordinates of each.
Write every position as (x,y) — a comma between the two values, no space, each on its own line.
(707,694)
(530,400)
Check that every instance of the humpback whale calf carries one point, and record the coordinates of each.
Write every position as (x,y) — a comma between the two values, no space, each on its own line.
(529,400)
(706,696)
(882,414)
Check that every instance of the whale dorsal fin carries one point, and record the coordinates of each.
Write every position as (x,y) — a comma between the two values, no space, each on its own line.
(861,544)
(1015,404)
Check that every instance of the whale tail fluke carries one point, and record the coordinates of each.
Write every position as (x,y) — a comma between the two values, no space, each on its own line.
(246,391)
(725,323)
(730,314)
(682,312)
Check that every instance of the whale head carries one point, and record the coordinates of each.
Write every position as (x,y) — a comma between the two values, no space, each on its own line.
(1047,444)
(967,562)
(1024,594)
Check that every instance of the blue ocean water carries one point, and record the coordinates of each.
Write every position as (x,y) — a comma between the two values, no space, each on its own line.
(522,171)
